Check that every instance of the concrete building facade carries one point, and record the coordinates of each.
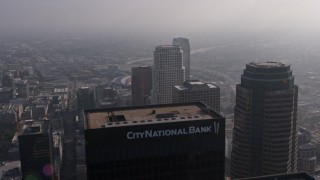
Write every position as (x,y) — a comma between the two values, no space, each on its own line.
(167,72)
(197,91)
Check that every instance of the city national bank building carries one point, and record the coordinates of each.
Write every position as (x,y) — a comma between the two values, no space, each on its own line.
(172,141)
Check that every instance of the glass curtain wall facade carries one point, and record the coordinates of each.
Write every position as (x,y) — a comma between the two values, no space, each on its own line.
(265,130)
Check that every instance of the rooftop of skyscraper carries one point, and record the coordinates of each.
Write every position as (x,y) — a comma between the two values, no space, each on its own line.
(34,126)
(169,46)
(267,64)
(31,126)
(129,116)
(195,85)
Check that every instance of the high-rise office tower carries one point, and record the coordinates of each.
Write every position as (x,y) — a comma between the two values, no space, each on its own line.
(141,83)
(36,150)
(22,88)
(167,141)
(167,72)
(85,98)
(8,81)
(6,93)
(184,43)
(196,91)
(105,96)
(265,117)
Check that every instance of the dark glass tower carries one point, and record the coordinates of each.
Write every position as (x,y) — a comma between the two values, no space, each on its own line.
(36,150)
(141,83)
(264,134)
(158,142)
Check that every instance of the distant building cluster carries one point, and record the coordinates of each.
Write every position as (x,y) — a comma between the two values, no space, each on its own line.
(307,158)
(31,119)
(165,83)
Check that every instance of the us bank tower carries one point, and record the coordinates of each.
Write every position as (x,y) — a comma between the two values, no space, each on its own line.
(265,121)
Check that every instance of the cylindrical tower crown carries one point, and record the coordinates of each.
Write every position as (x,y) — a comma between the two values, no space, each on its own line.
(267,76)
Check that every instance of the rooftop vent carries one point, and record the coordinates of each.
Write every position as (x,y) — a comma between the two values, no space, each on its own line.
(166,115)
(116,118)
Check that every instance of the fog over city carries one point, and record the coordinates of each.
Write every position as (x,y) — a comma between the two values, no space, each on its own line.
(166,17)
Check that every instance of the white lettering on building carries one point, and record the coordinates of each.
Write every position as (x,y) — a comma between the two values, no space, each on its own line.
(174,132)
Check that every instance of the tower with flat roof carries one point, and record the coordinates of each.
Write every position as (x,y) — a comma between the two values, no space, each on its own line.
(22,87)
(36,150)
(168,71)
(8,81)
(265,121)
(197,91)
(141,83)
(185,46)
(105,96)
(168,141)
(85,98)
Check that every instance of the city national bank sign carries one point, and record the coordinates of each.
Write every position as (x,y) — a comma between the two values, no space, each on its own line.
(174,132)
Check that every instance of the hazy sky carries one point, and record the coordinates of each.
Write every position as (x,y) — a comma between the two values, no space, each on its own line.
(158,16)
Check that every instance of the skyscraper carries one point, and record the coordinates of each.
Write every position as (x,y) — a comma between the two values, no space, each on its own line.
(185,46)
(8,81)
(6,93)
(22,88)
(36,150)
(167,72)
(85,98)
(105,96)
(196,91)
(265,117)
(141,83)
(167,141)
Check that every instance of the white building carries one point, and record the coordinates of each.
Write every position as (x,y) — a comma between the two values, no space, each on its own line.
(168,71)
(197,91)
